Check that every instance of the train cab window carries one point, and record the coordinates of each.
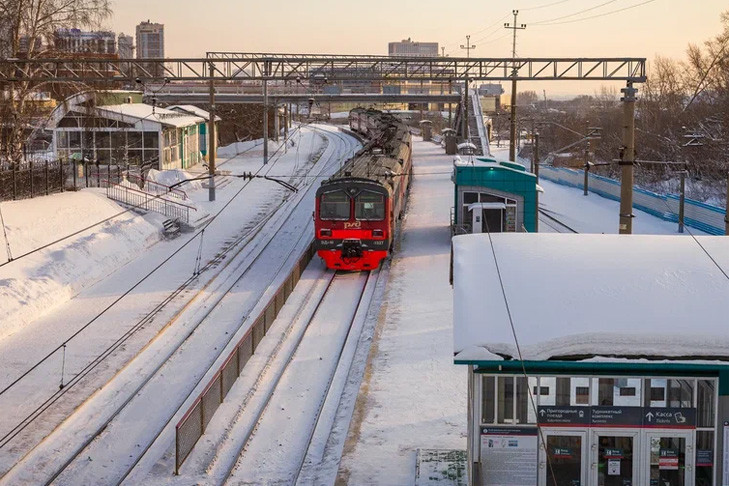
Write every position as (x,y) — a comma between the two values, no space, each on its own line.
(369,206)
(335,205)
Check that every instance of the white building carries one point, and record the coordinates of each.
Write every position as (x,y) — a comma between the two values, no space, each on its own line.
(80,41)
(409,48)
(204,128)
(112,128)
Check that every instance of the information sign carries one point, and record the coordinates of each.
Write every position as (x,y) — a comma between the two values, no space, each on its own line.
(668,460)
(682,418)
(564,415)
(509,456)
(616,416)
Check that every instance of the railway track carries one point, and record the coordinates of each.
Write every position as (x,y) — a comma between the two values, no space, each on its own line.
(277,423)
(554,223)
(93,429)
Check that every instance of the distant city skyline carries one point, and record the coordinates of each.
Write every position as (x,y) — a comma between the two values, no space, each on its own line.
(660,27)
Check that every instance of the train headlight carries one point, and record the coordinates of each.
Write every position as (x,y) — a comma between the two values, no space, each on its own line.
(377,233)
(325,232)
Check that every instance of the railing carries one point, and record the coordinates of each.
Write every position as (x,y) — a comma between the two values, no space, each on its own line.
(149,202)
(156,187)
(193,424)
(704,217)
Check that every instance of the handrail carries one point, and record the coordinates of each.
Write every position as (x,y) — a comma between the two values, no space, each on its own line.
(167,189)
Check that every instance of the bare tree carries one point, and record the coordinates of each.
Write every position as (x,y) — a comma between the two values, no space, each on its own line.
(27,28)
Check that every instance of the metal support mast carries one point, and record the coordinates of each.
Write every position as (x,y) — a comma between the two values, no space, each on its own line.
(265,122)
(468,47)
(211,140)
(627,159)
(512,128)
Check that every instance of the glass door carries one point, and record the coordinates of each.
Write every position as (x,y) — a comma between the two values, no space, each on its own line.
(563,463)
(671,459)
(614,458)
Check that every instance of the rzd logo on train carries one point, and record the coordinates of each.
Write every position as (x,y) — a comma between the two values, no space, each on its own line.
(353,225)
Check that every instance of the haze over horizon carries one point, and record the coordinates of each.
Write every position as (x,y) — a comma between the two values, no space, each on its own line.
(556,28)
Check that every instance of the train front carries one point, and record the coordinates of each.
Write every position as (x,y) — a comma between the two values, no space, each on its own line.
(352,224)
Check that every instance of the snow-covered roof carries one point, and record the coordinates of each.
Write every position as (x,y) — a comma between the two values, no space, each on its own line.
(581,296)
(193,110)
(143,111)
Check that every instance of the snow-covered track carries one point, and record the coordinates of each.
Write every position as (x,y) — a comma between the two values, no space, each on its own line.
(274,439)
(554,222)
(103,429)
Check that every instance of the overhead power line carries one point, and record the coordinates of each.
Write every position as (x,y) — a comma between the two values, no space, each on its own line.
(545,6)
(542,22)
(600,15)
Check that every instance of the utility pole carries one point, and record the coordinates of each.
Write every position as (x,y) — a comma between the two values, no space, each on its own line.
(726,211)
(587,164)
(211,140)
(265,122)
(627,159)
(442,52)
(512,130)
(464,112)
(468,46)
(536,173)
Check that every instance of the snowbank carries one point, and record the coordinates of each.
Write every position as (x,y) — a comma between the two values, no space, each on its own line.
(35,285)
(173,176)
(591,295)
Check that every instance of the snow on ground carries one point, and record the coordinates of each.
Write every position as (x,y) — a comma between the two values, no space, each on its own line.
(33,286)
(412,396)
(24,348)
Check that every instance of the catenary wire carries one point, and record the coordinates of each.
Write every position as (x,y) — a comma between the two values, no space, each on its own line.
(547,21)
(600,15)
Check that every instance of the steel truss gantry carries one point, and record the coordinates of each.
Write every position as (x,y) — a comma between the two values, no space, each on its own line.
(323,68)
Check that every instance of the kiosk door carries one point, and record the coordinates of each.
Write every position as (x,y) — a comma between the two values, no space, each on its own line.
(563,463)
(671,458)
(614,458)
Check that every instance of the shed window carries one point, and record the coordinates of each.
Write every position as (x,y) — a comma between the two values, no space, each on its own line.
(334,205)
(369,206)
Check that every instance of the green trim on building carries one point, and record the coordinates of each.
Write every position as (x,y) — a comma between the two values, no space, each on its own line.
(612,369)
(505,177)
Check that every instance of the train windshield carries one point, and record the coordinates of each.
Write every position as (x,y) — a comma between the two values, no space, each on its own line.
(334,205)
(369,206)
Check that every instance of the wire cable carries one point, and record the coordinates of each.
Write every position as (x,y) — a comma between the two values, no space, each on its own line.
(543,6)
(519,353)
(548,21)
(600,15)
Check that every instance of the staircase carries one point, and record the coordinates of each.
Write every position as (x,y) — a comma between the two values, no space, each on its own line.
(477,133)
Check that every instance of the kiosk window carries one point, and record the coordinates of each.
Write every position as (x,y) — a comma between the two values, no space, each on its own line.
(505,400)
(706,395)
(488,386)
(334,205)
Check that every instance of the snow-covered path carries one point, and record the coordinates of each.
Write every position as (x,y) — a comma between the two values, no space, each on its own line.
(412,396)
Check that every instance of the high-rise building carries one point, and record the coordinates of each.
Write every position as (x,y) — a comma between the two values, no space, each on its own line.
(79,41)
(125,45)
(150,40)
(408,48)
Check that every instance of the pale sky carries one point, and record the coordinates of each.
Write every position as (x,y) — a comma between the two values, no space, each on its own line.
(659,27)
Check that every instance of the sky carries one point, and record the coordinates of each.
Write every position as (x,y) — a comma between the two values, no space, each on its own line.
(555,28)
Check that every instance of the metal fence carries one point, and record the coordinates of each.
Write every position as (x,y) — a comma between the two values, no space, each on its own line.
(30,179)
(192,425)
(148,202)
(704,217)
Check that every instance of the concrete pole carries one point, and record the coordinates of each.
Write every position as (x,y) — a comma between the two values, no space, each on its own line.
(276,122)
(512,127)
(286,121)
(682,201)
(726,211)
(536,173)
(627,160)
(211,140)
(585,185)
(265,122)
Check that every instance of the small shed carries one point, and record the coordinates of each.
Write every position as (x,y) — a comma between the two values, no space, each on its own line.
(426,127)
(594,360)
(450,141)
(493,196)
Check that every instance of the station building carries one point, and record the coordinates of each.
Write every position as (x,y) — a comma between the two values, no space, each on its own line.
(493,196)
(115,127)
(619,372)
